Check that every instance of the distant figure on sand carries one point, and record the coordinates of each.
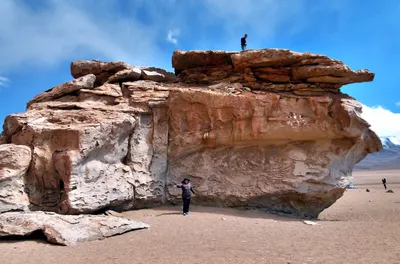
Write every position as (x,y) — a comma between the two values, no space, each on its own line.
(243,42)
(384,182)
(187,190)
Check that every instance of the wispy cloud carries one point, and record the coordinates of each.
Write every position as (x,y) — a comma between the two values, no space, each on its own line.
(49,31)
(384,122)
(53,31)
(4,81)
(398,104)
(172,36)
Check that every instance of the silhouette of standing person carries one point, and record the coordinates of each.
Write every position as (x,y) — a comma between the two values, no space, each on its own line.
(243,42)
(187,190)
(384,182)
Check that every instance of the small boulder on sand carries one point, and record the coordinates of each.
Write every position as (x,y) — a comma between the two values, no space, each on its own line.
(307,222)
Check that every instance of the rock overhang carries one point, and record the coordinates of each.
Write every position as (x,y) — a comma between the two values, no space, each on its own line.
(267,69)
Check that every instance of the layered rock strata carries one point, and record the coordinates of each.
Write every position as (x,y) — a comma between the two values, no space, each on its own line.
(261,128)
(271,70)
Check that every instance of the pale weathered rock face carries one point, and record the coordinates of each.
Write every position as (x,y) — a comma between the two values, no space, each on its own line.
(67,230)
(113,72)
(14,162)
(267,128)
(285,153)
(128,75)
(77,158)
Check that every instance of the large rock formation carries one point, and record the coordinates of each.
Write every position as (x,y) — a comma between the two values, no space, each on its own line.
(264,128)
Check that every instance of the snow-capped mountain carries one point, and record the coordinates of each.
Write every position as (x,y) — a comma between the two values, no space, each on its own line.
(388,158)
(390,142)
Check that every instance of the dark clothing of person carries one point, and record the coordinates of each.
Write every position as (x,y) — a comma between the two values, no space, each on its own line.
(187,190)
(384,182)
(186,205)
(243,43)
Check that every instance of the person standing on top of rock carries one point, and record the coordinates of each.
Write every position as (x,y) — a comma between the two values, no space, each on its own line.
(384,182)
(187,190)
(243,42)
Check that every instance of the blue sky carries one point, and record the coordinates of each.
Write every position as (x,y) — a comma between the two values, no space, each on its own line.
(39,39)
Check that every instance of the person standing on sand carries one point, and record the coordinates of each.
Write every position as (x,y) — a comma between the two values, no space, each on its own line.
(187,190)
(384,182)
(243,42)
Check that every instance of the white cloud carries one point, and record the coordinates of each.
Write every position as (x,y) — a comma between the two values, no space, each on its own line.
(46,32)
(55,30)
(172,36)
(4,81)
(384,122)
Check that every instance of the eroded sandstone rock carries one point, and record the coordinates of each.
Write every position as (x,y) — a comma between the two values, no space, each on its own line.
(157,74)
(267,69)
(85,82)
(76,158)
(153,76)
(67,230)
(118,72)
(288,154)
(267,128)
(14,162)
(3,139)
(128,75)
(183,60)
(81,67)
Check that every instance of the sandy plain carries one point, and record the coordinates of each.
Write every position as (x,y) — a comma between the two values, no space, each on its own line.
(361,227)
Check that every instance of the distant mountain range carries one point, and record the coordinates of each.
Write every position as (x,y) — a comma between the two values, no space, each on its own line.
(387,159)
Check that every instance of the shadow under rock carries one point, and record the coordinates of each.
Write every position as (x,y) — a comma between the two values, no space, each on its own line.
(36,236)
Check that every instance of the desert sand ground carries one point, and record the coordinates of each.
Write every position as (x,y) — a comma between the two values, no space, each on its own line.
(361,227)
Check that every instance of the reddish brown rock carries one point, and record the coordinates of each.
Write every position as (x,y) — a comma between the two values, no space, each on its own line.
(83,67)
(153,76)
(85,82)
(274,58)
(112,90)
(331,74)
(157,74)
(3,139)
(102,70)
(128,75)
(259,69)
(184,60)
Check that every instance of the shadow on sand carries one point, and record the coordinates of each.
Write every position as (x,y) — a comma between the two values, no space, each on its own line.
(236,212)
